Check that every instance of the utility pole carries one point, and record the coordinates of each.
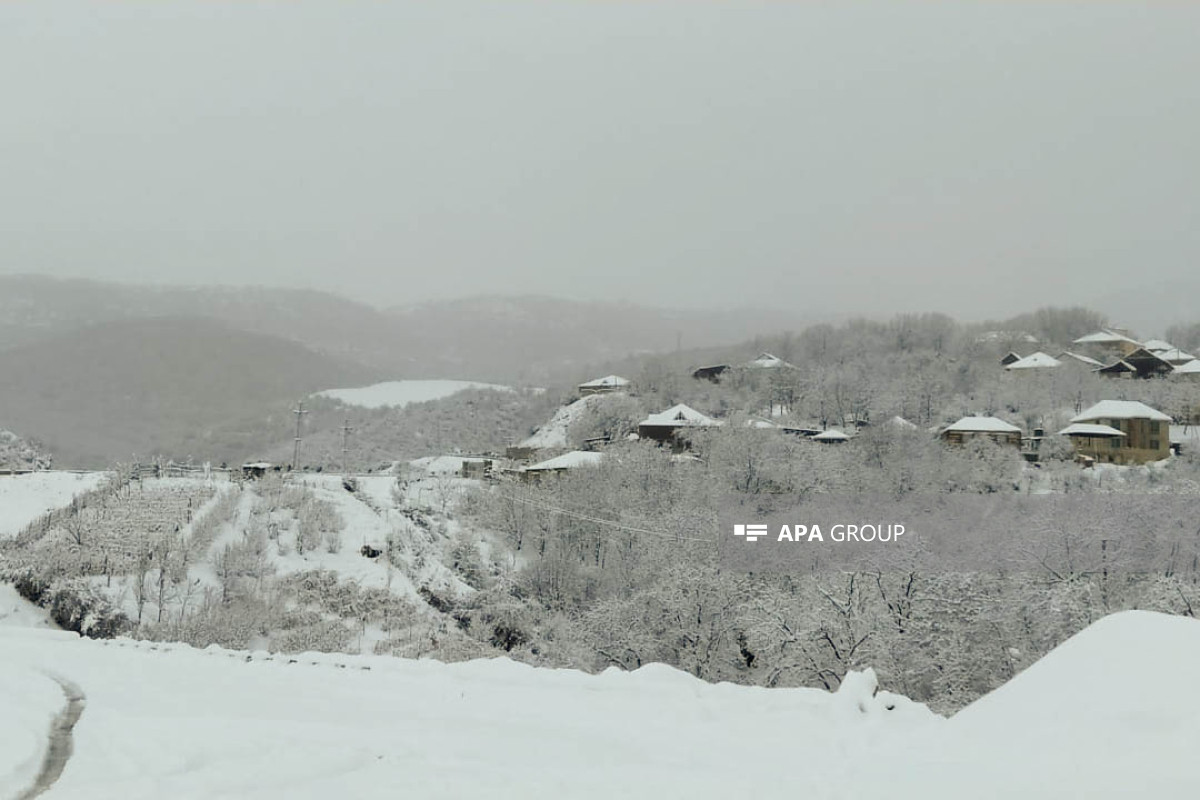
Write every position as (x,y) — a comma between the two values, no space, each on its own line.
(299,412)
(346,431)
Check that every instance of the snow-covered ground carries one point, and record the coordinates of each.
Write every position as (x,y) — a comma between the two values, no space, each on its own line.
(1114,712)
(169,721)
(555,433)
(24,498)
(400,393)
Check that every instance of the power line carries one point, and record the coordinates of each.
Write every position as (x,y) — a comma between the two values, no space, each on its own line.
(610,523)
(346,431)
(299,412)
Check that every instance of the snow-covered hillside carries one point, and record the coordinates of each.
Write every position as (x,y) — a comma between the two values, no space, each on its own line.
(398,394)
(24,498)
(1111,713)
(555,433)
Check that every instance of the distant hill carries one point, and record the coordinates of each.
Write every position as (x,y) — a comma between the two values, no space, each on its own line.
(175,386)
(509,340)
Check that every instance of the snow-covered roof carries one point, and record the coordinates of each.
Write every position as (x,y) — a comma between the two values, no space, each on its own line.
(607,382)
(258,465)
(571,460)
(1105,337)
(1038,360)
(1120,365)
(1175,356)
(1091,362)
(678,416)
(1120,409)
(901,422)
(1089,429)
(1190,368)
(983,425)
(832,435)
(756,422)
(1158,344)
(767,361)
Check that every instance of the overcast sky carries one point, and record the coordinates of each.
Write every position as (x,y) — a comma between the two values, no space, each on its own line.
(874,156)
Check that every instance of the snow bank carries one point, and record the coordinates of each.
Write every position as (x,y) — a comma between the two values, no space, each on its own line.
(1114,712)
(24,498)
(400,393)
(16,611)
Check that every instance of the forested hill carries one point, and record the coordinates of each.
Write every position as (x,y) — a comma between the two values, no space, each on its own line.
(179,386)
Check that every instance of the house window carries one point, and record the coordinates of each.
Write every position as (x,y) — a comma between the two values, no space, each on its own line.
(1115,442)
(1154,444)
(1154,428)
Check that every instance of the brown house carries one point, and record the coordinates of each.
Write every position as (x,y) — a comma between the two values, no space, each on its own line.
(1107,344)
(605,385)
(666,426)
(1121,432)
(992,428)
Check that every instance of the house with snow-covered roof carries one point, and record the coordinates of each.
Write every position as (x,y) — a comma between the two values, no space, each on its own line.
(1034,361)
(1174,356)
(1070,358)
(605,385)
(993,428)
(576,459)
(1190,370)
(1120,432)
(1145,364)
(1106,344)
(666,426)
(768,361)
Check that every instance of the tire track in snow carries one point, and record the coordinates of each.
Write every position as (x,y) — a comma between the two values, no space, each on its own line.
(62,740)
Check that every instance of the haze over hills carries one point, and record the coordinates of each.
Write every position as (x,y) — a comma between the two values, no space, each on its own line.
(180,386)
(519,340)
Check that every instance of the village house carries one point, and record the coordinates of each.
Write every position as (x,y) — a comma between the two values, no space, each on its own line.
(666,426)
(1034,361)
(1118,369)
(560,464)
(1070,358)
(1145,365)
(711,373)
(831,436)
(1174,356)
(1107,344)
(968,428)
(605,385)
(1009,358)
(768,361)
(1188,371)
(1120,432)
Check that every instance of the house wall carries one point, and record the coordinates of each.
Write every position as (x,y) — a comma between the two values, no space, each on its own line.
(961,437)
(1144,441)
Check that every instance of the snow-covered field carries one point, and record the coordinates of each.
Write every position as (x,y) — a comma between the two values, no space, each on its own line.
(24,498)
(400,393)
(1112,713)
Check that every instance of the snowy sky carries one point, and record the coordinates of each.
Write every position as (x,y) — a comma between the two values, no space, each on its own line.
(974,158)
